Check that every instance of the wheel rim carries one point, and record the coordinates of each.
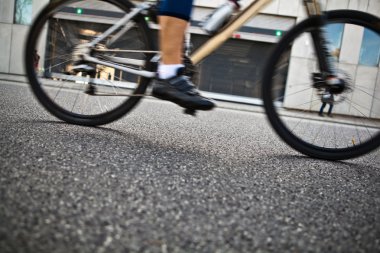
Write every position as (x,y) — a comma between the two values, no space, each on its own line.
(70,94)
(293,104)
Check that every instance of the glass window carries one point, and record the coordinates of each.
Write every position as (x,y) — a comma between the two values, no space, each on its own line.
(23,12)
(334,34)
(370,51)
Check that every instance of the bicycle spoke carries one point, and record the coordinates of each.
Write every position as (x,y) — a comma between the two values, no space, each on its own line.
(371,95)
(96,92)
(291,94)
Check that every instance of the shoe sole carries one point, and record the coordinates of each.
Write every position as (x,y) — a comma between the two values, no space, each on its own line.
(182,103)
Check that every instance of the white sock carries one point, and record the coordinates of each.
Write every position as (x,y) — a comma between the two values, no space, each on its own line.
(166,71)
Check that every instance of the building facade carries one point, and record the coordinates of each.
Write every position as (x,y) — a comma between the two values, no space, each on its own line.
(234,71)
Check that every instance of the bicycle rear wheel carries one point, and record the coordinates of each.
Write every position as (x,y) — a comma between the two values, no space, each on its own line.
(81,92)
(294,88)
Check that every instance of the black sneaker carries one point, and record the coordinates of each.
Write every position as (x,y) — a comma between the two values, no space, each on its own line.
(181,90)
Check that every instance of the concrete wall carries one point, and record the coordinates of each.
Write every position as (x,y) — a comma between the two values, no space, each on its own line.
(6,20)
(13,36)
(6,11)
(5,49)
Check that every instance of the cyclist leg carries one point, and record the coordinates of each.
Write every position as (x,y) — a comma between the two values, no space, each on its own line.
(172,85)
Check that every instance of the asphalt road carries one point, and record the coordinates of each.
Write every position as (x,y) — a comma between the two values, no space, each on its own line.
(161,181)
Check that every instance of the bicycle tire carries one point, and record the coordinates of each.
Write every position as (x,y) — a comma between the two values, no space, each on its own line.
(272,109)
(93,118)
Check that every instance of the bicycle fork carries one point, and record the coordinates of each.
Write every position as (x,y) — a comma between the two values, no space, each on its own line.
(328,73)
(333,83)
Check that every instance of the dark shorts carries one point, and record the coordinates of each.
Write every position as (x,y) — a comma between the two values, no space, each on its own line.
(176,8)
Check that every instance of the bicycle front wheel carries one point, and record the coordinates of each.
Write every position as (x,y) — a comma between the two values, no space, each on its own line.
(294,90)
(86,92)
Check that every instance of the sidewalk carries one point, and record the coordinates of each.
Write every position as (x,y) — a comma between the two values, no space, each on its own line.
(250,105)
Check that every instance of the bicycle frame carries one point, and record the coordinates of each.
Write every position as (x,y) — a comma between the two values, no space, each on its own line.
(312,8)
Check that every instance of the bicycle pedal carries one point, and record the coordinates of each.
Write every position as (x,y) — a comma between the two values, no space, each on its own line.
(191,112)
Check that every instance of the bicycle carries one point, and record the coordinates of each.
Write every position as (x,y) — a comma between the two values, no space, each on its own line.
(92,78)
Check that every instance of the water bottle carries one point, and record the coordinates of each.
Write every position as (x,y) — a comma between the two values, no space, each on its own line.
(219,17)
